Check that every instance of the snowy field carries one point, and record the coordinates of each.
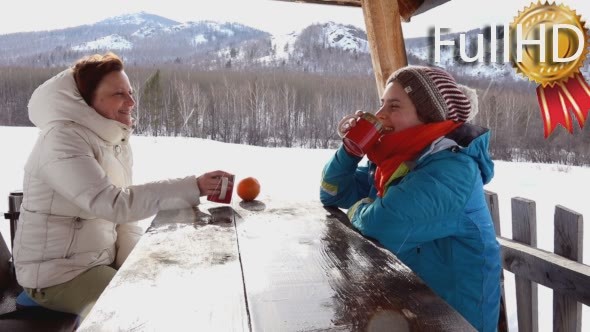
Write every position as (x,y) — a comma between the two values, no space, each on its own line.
(294,174)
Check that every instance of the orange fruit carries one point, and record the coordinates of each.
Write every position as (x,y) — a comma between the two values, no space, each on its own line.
(248,189)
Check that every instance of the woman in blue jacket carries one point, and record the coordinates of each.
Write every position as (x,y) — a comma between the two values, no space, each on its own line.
(421,194)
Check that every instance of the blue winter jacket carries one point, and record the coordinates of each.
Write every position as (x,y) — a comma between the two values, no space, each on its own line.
(434,219)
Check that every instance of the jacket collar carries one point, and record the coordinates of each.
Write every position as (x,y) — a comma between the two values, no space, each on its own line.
(58,99)
(469,139)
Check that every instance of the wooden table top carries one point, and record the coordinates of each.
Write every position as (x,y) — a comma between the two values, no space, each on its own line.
(265,266)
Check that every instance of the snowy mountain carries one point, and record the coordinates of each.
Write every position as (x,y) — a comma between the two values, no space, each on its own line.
(321,47)
(147,39)
(141,18)
(348,46)
(348,38)
(142,38)
(111,42)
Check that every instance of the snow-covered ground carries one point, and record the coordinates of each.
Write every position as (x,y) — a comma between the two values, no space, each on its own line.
(283,46)
(294,173)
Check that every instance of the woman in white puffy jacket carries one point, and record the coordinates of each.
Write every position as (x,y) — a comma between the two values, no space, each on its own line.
(78,218)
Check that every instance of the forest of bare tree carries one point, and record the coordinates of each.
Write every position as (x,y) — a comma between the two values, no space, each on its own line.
(275,107)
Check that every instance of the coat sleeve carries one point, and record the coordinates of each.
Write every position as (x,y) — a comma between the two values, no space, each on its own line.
(426,205)
(67,164)
(343,181)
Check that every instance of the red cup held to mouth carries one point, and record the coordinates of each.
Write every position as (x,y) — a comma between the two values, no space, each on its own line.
(359,139)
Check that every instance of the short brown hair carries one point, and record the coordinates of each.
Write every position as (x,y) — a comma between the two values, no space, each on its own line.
(90,70)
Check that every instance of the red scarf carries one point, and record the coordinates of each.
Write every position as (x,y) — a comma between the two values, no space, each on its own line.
(393,150)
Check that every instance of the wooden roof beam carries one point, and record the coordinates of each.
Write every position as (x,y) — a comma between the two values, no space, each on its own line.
(349,3)
(407,8)
(386,40)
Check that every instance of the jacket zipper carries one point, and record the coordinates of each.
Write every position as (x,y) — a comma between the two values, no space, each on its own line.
(117,148)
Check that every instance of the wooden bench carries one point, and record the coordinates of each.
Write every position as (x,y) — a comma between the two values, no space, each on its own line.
(15,319)
(273,266)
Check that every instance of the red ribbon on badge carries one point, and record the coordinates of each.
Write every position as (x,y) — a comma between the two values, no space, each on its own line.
(556,101)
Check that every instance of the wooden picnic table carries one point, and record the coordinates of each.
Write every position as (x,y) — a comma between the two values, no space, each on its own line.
(265,266)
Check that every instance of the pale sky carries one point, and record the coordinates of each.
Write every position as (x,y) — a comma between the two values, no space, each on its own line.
(269,15)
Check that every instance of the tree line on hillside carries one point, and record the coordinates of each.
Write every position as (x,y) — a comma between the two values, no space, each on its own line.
(276,107)
(266,108)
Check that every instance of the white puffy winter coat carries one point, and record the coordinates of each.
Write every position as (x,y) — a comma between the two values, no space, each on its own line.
(80,208)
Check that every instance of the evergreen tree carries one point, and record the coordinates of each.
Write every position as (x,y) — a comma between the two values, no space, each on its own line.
(153,104)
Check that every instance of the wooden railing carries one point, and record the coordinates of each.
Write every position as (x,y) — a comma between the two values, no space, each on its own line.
(562,271)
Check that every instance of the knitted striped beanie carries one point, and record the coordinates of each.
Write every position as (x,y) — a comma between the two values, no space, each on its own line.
(435,94)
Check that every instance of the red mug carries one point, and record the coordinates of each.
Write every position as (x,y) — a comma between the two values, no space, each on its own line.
(363,135)
(226,186)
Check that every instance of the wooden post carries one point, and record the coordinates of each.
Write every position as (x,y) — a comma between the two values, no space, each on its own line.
(494,207)
(524,230)
(386,40)
(568,243)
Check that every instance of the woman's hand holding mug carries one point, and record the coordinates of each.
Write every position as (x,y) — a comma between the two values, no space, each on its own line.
(209,183)
(359,132)
(348,122)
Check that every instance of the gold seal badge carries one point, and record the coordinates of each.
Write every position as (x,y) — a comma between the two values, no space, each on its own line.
(553,61)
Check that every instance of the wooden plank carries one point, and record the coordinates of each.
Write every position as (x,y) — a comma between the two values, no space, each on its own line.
(184,274)
(568,243)
(407,8)
(386,40)
(524,221)
(426,6)
(6,275)
(494,207)
(304,270)
(548,269)
(524,230)
(348,3)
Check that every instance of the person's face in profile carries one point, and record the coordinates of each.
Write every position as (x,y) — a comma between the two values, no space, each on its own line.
(113,98)
(397,110)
